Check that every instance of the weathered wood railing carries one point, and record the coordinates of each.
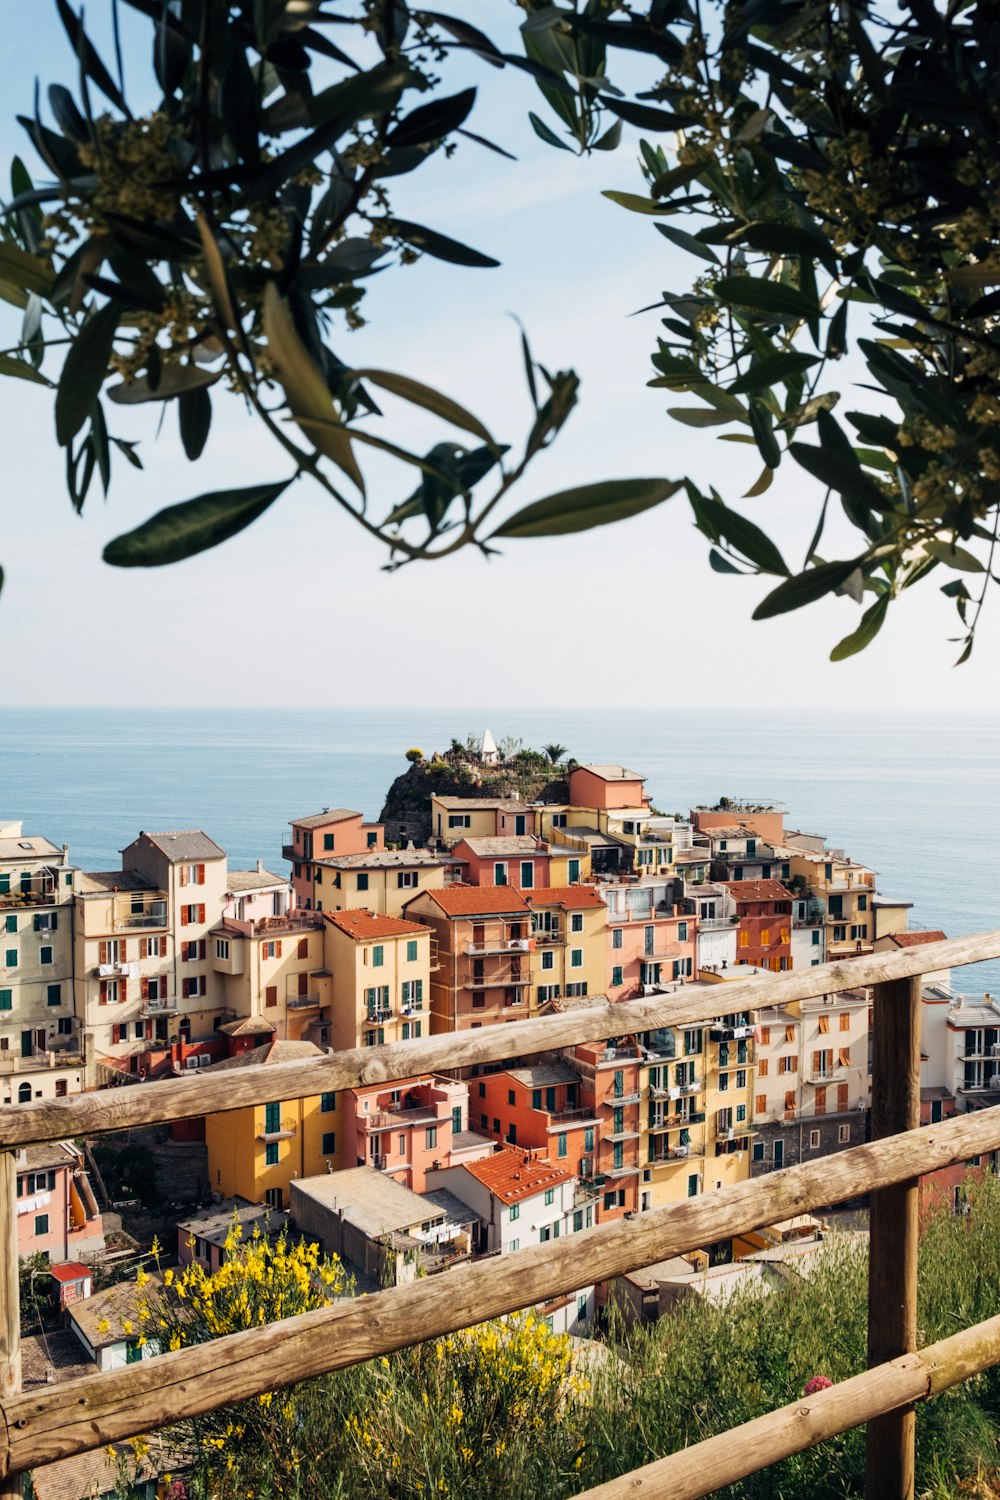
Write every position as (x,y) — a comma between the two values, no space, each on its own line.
(86,1413)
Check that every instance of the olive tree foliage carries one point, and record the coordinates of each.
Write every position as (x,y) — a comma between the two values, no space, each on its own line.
(831,169)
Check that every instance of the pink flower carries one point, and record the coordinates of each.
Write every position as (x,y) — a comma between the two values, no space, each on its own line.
(816,1383)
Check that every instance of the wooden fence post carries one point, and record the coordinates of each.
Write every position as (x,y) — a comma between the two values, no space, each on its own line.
(892,1270)
(10,1302)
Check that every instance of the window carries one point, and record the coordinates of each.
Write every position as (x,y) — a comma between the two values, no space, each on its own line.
(53,994)
(412,993)
(682,932)
(815,937)
(692,1042)
(760,1104)
(693,1185)
(741,1113)
(860,931)
(550,1197)
(588,1138)
(302,948)
(272,1154)
(271,995)
(362,882)
(762,1067)
(548,959)
(573,869)
(814,1140)
(45,921)
(64,1027)
(514,1212)
(527,874)
(561,1148)
(577,1226)
(327,1103)
(272,949)
(328,841)
(407,879)
(741,1078)
(723,1083)
(616,976)
(430,1137)
(192,989)
(329,1143)
(845,1021)
(459,820)
(840,934)
(862,903)
(41,1223)
(545,1233)
(616,937)
(10,922)
(191,915)
(511,1097)
(6,999)
(411,951)
(378,956)
(10,958)
(576,921)
(758,1151)
(744,938)
(576,958)
(765,936)
(222,947)
(844,1135)
(499,874)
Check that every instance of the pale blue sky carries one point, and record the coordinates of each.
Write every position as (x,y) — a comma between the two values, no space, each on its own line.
(297,609)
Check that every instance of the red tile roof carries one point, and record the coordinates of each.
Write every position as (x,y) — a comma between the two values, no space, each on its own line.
(365,926)
(575,896)
(912,939)
(478,900)
(756,890)
(511,1175)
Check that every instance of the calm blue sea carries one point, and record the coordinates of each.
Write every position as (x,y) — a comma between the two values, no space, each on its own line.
(918,800)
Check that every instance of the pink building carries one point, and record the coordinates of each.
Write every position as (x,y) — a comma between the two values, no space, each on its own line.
(410,1127)
(655,949)
(521,861)
(334,831)
(57,1213)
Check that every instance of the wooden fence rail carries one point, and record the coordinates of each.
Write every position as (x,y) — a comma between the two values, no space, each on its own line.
(87,1413)
(159,1103)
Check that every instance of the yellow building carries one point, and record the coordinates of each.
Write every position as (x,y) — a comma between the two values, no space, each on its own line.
(672,1124)
(382,881)
(455,818)
(381,969)
(257,1151)
(569,929)
(844,892)
(273,972)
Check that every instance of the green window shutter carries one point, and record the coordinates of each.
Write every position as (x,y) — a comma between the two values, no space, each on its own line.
(378,956)
(411,950)
(11,958)
(327,1103)
(10,922)
(362,882)
(329,1143)
(272,1118)
(53,994)
(616,976)
(271,1154)
(6,999)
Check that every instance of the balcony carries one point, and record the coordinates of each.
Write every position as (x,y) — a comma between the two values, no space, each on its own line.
(293,855)
(574,1115)
(618,1101)
(496,981)
(827,1075)
(622,1135)
(35,896)
(501,945)
(390,1119)
(548,935)
(715,924)
(669,1122)
(676,1153)
(375,1017)
(286,1132)
(164,1007)
(304,1002)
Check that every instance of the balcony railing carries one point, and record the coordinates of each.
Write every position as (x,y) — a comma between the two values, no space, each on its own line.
(84,1414)
(165,1006)
(304,1002)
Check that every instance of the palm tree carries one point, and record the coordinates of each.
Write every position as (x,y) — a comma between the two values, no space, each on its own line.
(555,752)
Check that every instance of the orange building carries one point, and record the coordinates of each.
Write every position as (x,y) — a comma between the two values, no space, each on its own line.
(606,787)
(522,861)
(483,969)
(582,1112)
(764,926)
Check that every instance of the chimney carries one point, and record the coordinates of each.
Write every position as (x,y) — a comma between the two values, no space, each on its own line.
(260,867)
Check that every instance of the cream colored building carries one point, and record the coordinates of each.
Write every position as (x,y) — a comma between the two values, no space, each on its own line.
(40,1050)
(381,881)
(380,970)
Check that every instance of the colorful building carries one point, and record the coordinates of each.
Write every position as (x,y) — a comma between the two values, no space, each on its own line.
(255,1152)
(483,973)
(569,936)
(764,923)
(57,1213)
(334,831)
(41,1054)
(381,881)
(457,818)
(410,1127)
(380,973)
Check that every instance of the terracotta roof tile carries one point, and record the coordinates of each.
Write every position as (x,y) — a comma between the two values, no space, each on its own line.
(366,926)
(511,1175)
(756,890)
(577,897)
(478,900)
(912,939)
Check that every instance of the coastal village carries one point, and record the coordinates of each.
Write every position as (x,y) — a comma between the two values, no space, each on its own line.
(468,909)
